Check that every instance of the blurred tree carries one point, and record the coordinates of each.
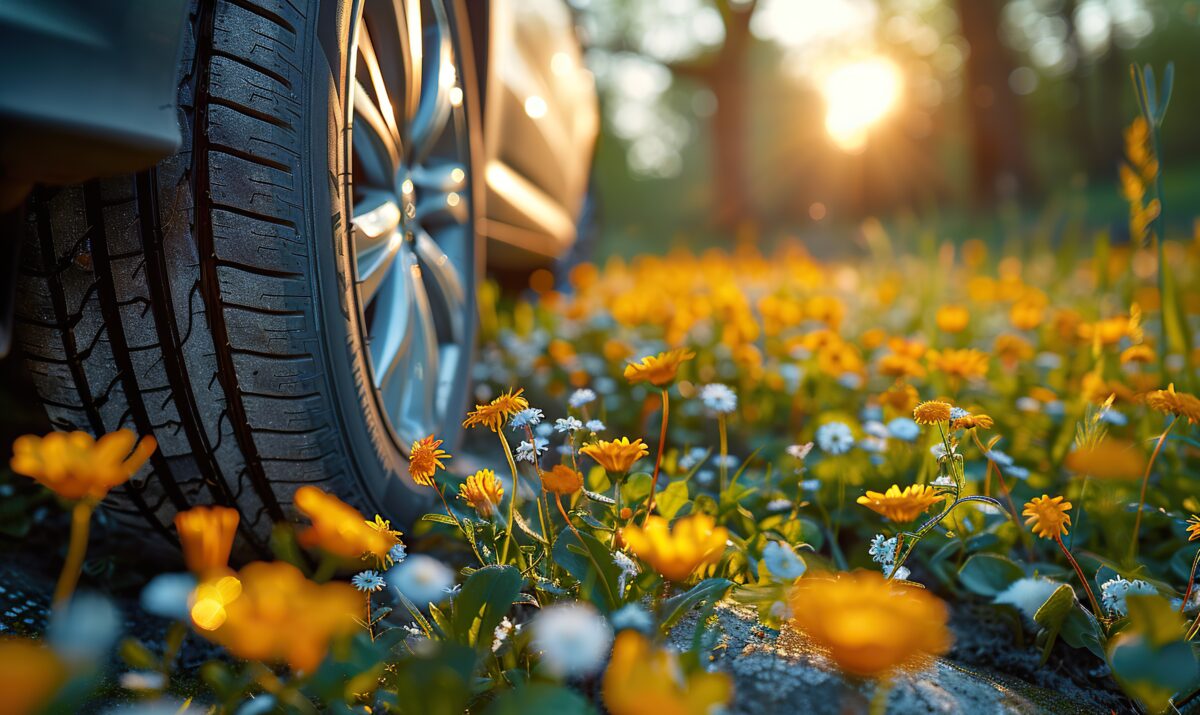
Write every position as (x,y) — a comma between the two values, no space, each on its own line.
(1000,159)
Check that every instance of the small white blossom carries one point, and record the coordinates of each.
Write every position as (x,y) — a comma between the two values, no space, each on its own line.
(800,452)
(628,568)
(782,561)
(594,426)
(529,451)
(567,424)
(502,632)
(581,397)
(528,417)
(421,579)
(631,617)
(718,399)
(1114,591)
(573,639)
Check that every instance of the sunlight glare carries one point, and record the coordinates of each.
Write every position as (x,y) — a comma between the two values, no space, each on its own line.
(857,96)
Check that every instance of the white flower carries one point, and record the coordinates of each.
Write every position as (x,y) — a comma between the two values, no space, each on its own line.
(902,573)
(782,561)
(835,438)
(875,428)
(572,638)
(628,568)
(83,633)
(567,424)
(421,579)
(1028,404)
(883,550)
(528,417)
(943,480)
(779,505)
(694,456)
(1027,594)
(1114,591)
(903,428)
(143,680)
(631,617)
(502,632)
(397,553)
(529,451)
(594,426)
(800,451)
(167,595)
(581,397)
(718,398)
(367,581)
(780,610)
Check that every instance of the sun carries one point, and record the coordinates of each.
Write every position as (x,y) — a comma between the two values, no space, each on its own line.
(857,96)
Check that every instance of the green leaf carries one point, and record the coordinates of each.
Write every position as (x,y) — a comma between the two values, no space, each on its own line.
(1151,675)
(1053,614)
(988,574)
(539,699)
(440,519)
(592,565)
(710,589)
(485,598)
(436,680)
(636,487)
(138,656)
(671,499)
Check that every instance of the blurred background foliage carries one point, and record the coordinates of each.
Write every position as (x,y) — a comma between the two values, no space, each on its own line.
(746,118)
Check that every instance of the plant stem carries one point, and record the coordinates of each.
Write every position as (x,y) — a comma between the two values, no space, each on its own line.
(879,700)
(512,504)
(81,520)
(1087,587)
(662,443)
(1137,520)
(1012,507)
(1191,580)
(724,448)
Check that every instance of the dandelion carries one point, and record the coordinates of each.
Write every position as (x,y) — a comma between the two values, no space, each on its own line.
(483,491)
(616,456)
(901,505)
(658,370)
(270,612)
(640,674)
(718,398)
(1114,591)
(1047,516)
(529,451)
(368,581)
(572,638)
(338,528)
(968,422)
(206,536)
(528,417)
(494,414)
(421,579)
(561,480)
(1193,527)
(677,552)
(425,459)
(77,467)
(582,396)
(871,626)
(932,412)
(567,424)
(835,438)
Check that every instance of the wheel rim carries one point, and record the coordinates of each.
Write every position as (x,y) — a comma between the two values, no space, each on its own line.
(412,232)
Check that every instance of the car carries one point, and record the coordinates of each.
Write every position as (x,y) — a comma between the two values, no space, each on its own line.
(272,221)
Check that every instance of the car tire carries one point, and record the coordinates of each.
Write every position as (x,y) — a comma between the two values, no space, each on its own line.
(246,301)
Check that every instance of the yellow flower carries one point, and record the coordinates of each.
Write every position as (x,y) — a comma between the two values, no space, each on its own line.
(1012,349)
(206,535)
(960,363)
(901,506)
(494,414)
(1027,314)
(901,397)
(1140,354)
(276,615)
(870,626)
(339,528)
(30,675)
(952,318)
(931,412)
(1047,516)
(425,459)
(1193,527)
(1109,458)
(76,466)
(972,422)
(644,680)
(616,456)
(658,370)
(562,480)
(677,552)
(1180,404)
(483,491)
(898,365)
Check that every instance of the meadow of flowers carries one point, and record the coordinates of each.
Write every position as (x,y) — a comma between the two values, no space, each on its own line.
(855,450)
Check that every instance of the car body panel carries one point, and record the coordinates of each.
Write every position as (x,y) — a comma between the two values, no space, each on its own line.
(87,89)
(540,127)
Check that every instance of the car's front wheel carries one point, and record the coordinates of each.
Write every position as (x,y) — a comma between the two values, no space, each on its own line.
(288,300)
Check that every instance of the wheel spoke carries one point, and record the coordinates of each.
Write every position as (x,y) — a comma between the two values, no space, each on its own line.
(398,49)
(383,99)
(439,77)
(376,148)
(444,285)
(377,239)
(390,339)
